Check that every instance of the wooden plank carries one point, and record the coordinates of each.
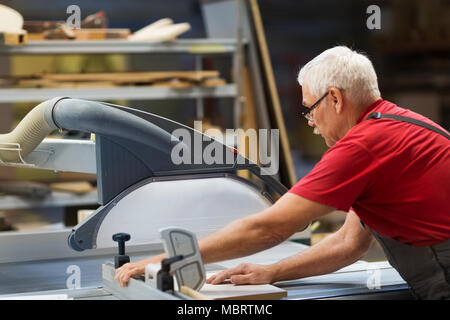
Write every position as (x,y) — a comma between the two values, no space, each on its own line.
(36,36)
(286,165)
(77,187)
(230,291)
(44,83)
(193,293)
(81,34)
(101,33)
(248,120)
(173,79)
(213,82)
(133,77)
(174,83)
(13,39)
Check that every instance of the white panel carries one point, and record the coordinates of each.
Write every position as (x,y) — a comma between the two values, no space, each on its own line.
(199,205)
(64,155)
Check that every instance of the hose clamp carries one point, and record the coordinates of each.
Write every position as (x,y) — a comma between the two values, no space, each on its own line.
(49,112)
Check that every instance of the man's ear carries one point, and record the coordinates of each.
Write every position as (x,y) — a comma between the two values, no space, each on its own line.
(337,99)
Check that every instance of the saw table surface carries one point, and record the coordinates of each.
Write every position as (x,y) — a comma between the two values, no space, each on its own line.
(50,278)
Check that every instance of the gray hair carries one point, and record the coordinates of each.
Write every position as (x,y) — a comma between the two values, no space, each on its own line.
(342,68)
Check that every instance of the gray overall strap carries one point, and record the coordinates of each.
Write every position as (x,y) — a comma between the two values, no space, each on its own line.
(425,269)
(378,115)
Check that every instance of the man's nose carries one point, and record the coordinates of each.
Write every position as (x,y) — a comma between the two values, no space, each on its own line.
(311,123)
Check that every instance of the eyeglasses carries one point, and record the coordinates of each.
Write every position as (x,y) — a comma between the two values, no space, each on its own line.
(307,111)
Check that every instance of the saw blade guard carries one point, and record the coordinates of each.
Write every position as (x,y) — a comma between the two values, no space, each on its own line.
(201,204)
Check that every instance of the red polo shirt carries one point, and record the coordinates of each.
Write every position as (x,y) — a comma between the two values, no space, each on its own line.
(394,175)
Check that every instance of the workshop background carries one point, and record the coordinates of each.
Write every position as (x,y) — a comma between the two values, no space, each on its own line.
(410,54)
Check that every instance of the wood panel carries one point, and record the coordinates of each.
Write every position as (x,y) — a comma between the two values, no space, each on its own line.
(286,165)
(230,291)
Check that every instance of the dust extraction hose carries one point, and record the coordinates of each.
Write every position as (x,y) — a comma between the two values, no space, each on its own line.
(81,115)
(28,134)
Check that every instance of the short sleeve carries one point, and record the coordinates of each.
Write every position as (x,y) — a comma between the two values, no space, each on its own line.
(339,178)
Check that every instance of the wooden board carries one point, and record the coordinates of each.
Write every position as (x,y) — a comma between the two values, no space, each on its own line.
(173,79)
(248,120)
(81,34)
(120,77)
(230,291)
(13,39)
(78,187)
(101,33)
(44,83)
(287,171)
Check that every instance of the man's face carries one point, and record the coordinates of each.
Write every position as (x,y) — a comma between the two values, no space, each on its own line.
(325,120)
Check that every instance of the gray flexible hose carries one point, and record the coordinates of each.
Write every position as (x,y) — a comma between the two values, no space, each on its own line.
(99,118)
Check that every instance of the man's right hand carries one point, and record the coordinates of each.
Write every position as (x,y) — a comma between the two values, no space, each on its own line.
(246,273)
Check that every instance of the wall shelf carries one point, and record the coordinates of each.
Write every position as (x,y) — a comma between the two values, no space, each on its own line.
(10,95)
(193,46)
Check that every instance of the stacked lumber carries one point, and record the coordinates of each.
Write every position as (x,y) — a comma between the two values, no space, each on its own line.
(173,79)
(63,33)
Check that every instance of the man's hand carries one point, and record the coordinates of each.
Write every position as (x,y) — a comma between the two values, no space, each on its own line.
(125,272)
(245,273)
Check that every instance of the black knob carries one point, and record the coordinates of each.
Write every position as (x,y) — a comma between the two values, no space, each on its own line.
(121,259)
(121,238)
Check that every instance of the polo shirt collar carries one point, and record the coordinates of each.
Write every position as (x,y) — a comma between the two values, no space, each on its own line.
(368,109)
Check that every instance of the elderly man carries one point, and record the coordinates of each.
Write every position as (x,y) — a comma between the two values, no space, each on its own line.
(388,167)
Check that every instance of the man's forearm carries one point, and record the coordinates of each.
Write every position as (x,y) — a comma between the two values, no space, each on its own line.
(238,239)
(329,255)
(263,230)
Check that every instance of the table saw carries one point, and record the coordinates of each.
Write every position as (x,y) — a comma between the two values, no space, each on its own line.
(141,192)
